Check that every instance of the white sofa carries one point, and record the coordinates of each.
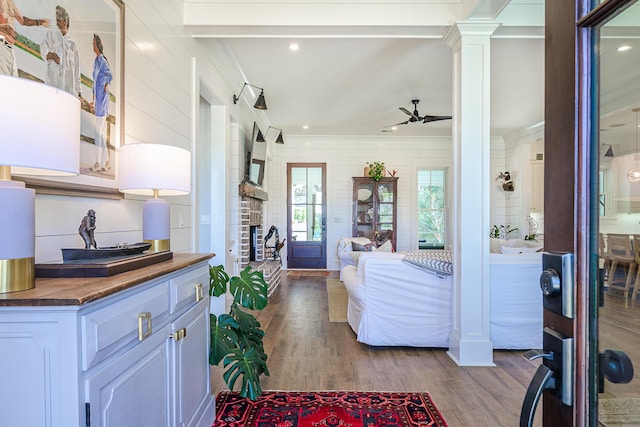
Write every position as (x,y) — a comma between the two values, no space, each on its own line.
(392,303)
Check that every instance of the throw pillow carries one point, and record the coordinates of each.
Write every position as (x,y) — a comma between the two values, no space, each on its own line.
(495,245)
(385,247)
(361,248)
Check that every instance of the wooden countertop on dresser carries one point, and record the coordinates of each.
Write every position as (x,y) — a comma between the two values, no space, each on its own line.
(79,291)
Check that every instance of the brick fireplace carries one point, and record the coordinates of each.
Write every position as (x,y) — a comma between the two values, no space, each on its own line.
(251,249)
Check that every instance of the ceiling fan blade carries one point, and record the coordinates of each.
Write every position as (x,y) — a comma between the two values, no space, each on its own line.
(398,124)
(404,110)
(428,119)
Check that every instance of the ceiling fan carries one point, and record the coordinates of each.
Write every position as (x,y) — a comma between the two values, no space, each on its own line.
(415,116)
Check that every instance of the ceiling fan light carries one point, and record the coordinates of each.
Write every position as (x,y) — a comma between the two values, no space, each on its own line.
(634,175)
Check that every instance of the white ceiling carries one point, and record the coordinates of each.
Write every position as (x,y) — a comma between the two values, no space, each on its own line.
(351,80)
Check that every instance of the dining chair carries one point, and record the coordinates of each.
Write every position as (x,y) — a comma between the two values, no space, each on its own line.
(603,254)
(623,264)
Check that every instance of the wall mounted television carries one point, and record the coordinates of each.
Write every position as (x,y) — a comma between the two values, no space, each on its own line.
(257,157)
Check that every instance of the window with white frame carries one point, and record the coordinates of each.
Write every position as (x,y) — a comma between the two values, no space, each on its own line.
(432,197)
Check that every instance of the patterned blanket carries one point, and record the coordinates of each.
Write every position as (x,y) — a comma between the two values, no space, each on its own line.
(438,262)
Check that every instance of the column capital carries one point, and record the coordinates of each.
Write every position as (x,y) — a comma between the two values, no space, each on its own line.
(454,33)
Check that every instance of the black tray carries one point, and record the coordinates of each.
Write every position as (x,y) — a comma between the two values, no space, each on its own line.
(101,267)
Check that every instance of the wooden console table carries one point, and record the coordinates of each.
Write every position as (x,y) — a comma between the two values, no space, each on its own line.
(125,350)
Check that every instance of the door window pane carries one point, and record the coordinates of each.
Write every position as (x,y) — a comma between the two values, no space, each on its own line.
(431,209)
(306,188)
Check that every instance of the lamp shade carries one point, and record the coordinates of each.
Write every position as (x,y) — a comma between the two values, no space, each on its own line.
(41,128)
(144,168)
(40,136)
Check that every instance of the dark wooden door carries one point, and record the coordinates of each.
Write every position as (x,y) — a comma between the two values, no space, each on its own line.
(306,215)
(571,188)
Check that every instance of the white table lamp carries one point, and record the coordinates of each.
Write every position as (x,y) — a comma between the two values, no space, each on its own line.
(155,170)
(40,136)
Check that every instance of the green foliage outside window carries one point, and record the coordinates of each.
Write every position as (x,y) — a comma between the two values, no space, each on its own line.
(431,208)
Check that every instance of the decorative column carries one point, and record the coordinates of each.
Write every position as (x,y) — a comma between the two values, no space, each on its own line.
(470,342)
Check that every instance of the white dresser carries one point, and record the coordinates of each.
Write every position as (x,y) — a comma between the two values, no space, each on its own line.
(126,350)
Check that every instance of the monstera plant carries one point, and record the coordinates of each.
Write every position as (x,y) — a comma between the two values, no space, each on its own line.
(236,337)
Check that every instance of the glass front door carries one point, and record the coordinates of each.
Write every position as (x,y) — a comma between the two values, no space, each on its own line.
(306,216)
(618,55)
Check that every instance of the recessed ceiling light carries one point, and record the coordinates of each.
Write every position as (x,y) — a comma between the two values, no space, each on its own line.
(294,46)
(305,126)
(624,48)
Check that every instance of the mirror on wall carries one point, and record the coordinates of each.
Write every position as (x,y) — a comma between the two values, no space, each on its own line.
(257,156)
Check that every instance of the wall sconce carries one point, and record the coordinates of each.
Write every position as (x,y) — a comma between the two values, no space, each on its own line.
(260,104)
(279,139)
(609,152)
(154,170)
(40,136)
(260,136)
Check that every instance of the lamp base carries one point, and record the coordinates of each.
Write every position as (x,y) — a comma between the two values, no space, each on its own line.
(159,245)
(17,274)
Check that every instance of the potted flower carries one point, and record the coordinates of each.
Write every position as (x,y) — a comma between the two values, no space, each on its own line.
(375,170)
(236,337)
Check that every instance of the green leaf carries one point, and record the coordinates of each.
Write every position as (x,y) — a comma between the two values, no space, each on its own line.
(247,366)
(249,289)
(250,336)
(218,279)
(224,337)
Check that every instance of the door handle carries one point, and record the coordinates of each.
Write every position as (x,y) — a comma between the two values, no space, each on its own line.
(556,373)
(542,379)
(615,366)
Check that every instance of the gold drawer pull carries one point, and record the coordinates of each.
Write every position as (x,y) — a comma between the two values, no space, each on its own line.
(179,334)
(142,318)
(199,293)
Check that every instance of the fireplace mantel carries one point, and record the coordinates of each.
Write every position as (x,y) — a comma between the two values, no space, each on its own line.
(247,189)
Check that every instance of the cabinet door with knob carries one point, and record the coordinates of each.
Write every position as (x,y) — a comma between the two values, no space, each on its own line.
(124,351)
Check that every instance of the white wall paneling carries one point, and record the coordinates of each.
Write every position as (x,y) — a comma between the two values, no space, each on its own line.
(405,155)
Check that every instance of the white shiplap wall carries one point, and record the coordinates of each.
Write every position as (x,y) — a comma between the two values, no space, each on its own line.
(346,157)
(161,63)
(159,108)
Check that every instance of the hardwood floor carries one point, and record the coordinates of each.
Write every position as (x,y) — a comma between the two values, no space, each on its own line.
(306,352)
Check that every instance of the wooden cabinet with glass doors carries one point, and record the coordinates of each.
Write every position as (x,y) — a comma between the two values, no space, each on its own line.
(375,208)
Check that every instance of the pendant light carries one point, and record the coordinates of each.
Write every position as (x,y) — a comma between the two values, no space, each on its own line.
(634,174)
(609,152)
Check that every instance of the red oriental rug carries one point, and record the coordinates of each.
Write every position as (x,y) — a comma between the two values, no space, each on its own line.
(327,409)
